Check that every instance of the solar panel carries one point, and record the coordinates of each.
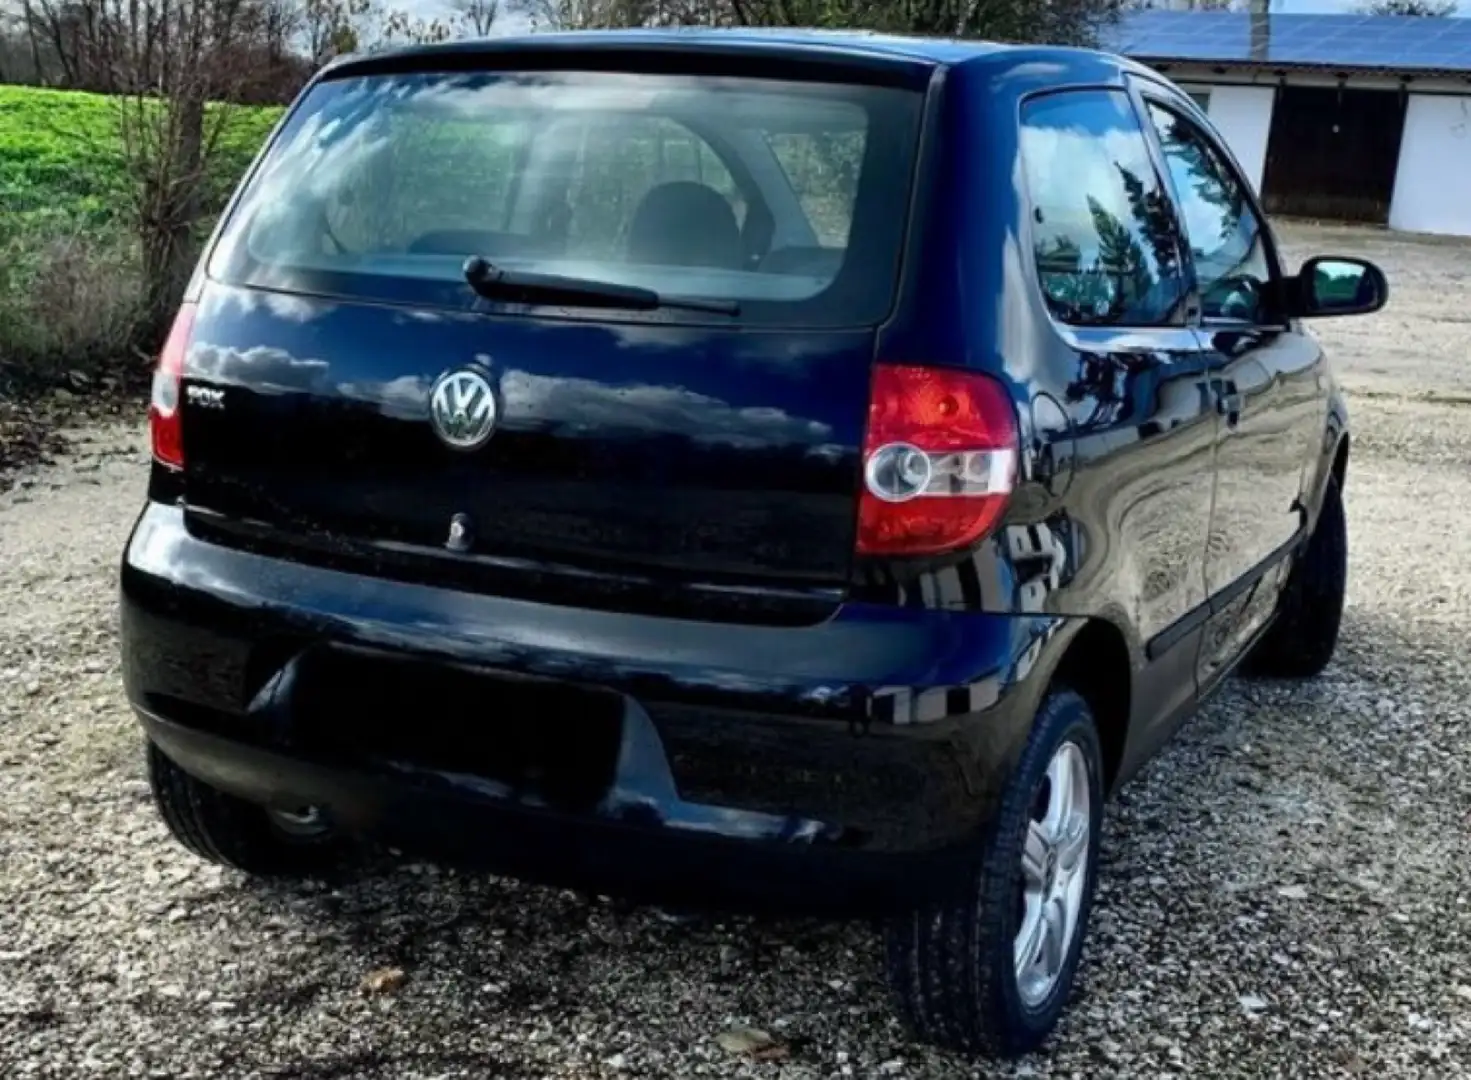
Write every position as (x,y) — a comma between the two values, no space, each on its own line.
(1387,42)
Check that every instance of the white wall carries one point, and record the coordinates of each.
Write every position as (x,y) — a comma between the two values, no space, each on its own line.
(1243,116)
(1430,187)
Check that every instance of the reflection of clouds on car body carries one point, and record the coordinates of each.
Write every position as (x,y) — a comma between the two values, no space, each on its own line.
(403,398)
(297,309)
(268,370)
(587,404)
(795,351)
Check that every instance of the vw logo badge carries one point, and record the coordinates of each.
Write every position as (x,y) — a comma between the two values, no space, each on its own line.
(462,409)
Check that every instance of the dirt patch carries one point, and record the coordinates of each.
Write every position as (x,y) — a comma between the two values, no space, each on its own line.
(34,415)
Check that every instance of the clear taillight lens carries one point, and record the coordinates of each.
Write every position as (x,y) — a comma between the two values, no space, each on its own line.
(939,460)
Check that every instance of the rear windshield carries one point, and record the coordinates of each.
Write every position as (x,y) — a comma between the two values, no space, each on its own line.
(785,197)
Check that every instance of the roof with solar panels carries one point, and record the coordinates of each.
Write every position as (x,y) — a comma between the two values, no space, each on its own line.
(1405,45)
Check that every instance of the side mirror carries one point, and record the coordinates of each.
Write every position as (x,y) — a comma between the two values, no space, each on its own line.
(1337,285)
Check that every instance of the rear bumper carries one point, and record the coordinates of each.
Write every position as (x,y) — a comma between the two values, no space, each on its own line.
(853,763)
(694,856)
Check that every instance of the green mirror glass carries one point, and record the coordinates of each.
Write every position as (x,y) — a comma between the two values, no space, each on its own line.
(1335,285)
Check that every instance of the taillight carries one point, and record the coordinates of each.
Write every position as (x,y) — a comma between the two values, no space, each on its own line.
(164,416)
(939,460)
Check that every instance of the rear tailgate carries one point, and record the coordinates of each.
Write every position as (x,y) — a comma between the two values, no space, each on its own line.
(699,457)
(730,457)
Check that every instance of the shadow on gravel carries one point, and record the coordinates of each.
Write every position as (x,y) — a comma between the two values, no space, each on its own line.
(482,955)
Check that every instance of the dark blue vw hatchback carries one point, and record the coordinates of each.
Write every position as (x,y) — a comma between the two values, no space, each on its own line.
(803,470)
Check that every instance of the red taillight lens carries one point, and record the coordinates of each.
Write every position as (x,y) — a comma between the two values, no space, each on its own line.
(939,460)
(164,415)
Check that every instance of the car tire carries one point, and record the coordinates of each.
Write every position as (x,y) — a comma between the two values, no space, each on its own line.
(232,832)
(1304,636)
(954,967)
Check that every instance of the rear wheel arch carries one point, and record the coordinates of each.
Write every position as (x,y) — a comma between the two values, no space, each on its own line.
(1097,665)
(1304,637)
(1339,469)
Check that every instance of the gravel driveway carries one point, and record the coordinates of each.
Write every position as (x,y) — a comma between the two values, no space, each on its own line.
(1286,891)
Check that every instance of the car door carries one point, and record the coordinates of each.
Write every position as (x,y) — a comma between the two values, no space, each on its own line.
(1106,247)
(1268,382)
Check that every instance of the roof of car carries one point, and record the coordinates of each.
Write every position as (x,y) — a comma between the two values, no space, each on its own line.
(856,44)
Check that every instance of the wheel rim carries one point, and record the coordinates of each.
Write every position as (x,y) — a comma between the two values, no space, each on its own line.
(1054,874)
(305,823)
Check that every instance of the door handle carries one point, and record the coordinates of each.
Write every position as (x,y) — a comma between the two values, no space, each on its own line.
(1228,404)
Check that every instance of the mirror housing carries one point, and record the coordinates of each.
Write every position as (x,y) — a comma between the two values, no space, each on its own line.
(1336,285)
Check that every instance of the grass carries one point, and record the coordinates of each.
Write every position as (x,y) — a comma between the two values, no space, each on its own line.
(69,277)
(60,153)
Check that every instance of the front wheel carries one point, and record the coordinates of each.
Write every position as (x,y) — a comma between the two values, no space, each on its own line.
(991,972)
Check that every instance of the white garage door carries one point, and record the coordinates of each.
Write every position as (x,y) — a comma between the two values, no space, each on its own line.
(1430,188)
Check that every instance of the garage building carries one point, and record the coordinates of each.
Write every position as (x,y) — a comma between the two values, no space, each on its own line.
(1356,118)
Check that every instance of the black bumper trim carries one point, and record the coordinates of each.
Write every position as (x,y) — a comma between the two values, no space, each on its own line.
(697,863)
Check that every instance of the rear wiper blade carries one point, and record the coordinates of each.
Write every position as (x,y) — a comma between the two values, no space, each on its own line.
(520,286)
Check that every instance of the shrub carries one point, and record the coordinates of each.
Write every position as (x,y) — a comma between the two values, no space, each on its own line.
(71,293)
(70,296)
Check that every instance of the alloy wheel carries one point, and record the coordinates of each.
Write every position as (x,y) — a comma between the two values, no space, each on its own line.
(1054,874)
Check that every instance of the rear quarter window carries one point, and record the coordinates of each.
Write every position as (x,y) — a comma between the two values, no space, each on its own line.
(780,196)
(1104,237)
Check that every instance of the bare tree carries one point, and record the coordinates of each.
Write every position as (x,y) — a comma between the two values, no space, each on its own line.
(30,27)
(1061,21)
(1432,9)
(478,16)
(174,71)
(1185,5)
(399,27)
(1056,21)
(330,28)
(102,44)
(579,14)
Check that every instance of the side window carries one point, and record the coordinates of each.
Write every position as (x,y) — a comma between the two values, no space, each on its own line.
(1103,229)
(823,168)
(1225,237)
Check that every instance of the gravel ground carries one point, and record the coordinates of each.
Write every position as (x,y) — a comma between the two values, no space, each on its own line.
(1287,890)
